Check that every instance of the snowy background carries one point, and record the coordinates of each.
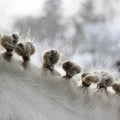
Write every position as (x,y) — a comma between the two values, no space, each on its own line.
(85,31)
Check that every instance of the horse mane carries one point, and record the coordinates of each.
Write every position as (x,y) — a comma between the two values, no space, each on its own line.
(37,93)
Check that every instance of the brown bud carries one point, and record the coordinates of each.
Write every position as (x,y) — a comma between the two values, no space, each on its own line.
(71,68)
(51,57)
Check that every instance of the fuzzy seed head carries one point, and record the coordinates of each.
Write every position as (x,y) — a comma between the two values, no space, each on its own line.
(107,79)
(116,88)
(71,68)
(91,78)
(51,57)
(9,41)
(25,50)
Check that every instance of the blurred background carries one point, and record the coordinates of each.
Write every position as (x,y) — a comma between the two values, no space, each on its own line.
(85,31)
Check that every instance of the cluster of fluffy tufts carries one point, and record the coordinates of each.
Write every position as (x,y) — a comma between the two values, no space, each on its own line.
(50,58)
(102,78)
(25,94)
(10,43)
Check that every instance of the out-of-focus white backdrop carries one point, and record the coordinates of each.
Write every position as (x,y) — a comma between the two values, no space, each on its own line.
(10,9)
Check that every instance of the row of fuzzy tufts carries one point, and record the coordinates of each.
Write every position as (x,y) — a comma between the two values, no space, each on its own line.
(11,43)
(50,58)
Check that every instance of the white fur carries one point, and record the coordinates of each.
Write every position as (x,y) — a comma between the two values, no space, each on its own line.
(34,94)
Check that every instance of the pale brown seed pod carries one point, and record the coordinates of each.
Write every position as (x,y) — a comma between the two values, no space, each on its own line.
(71,69)
(25,50)
(107,79)
(89,79)
(9,42)
(50,58)
(116,88)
